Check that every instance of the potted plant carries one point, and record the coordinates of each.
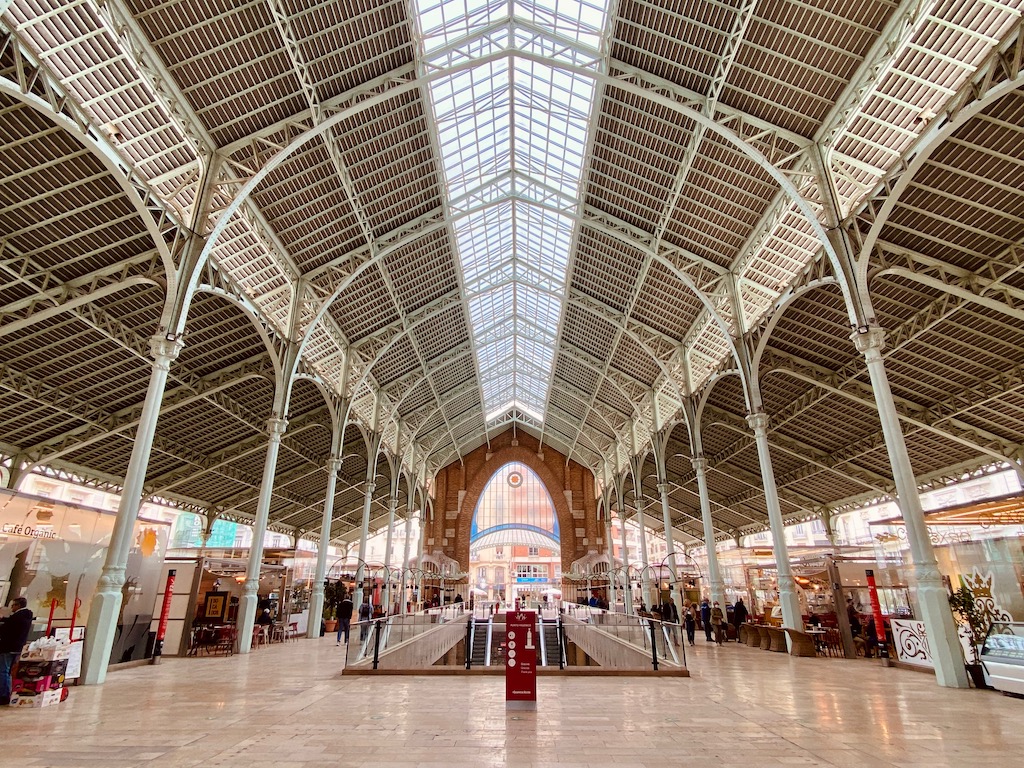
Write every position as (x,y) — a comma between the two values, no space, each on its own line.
(330,607)
(965,608)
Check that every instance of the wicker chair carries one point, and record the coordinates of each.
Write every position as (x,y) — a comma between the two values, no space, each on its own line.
(801,644)
(766,639)
(777,640)
(753,636)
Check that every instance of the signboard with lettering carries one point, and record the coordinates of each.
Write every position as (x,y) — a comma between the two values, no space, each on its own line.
(521,660)
(20,529)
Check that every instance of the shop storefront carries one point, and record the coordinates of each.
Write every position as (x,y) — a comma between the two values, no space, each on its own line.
(978,545)
(52,553)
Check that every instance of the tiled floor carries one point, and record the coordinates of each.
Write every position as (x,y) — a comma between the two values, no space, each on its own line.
(287,705)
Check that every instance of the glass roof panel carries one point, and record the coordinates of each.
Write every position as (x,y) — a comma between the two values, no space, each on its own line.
(512,134)
(442,21)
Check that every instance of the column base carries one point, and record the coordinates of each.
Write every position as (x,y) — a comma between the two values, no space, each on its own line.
(246,621)
(316,613)
(947,656)
(791,616)
(99,637)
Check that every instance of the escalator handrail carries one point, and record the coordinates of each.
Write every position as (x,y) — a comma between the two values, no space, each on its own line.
(543,644)
(487,655)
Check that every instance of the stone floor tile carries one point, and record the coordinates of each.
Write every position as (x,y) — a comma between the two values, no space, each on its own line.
(289,706)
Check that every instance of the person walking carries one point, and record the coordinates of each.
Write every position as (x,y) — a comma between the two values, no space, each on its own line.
(691,623)
(705,618)
(345,608)
(13,634)
(739,615)
(364,620)
(718,622)
(670,616)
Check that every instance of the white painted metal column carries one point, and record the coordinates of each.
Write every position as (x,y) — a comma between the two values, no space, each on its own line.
(420,545)
(628,597)
(611,557)
(250,592)
(645,572)
(405,558)
(316,605)
(392,506)
(788,599)
(674,584)
(361,569)
(716,585)
(105,606)
(931,593)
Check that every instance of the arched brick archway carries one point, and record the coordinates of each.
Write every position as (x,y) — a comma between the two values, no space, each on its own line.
(459,486)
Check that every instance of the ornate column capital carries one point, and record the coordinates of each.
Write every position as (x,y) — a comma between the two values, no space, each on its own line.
(664,488)
(371,486)
(165,349)
(699,464)
(333,465)
(758,421)
(869,338)
(276,427)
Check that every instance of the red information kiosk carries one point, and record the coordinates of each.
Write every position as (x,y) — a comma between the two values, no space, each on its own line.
(521,660)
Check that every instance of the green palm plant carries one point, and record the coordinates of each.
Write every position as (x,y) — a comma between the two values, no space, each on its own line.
(967,611)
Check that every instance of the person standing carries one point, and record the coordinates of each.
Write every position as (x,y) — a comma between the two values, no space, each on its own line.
(691,623)
(718,622)
(13,634)
(739,615)
(364,620)
(705,618)
(853,616)
(344,617)
(670,616)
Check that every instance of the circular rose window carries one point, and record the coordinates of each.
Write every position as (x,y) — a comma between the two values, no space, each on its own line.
(515,479)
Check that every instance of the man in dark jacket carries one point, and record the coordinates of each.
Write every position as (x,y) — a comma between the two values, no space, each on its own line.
(13,634)
(705,618)
(344,617)
(739,615)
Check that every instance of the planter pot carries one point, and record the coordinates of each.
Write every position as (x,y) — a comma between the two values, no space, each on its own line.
(977,675)
(331,625)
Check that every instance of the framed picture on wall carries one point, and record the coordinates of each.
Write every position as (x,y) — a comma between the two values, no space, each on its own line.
(216,607)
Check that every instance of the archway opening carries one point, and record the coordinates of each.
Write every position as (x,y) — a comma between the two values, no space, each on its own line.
(515,543)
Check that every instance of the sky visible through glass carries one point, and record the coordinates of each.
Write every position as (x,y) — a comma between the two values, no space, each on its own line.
(512,134)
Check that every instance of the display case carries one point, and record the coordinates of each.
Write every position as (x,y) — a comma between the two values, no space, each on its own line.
(1002,654)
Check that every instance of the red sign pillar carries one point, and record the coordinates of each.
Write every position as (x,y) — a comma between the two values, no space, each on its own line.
(161,630)
(876,612)
(521,660)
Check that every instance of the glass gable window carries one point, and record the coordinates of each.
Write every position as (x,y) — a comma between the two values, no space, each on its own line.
(515,508)
(512,133)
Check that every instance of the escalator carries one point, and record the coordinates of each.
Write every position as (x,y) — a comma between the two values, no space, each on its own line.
(481,633)
(551,652)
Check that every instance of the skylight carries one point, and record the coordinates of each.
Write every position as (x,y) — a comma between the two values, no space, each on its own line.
(512,134)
